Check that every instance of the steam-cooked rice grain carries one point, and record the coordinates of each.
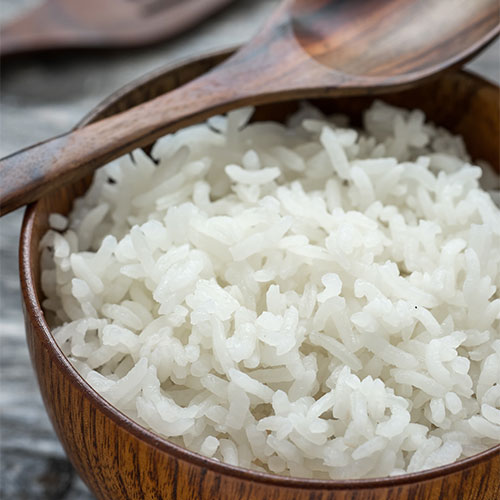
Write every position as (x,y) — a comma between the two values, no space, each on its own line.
(305,299)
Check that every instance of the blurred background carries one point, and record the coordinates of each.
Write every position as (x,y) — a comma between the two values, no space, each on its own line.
(42,96)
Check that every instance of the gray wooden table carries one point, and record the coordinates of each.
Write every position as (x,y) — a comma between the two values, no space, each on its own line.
(41,98)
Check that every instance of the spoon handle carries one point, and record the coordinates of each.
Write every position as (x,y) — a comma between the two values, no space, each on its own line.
(251,76)
(29,174)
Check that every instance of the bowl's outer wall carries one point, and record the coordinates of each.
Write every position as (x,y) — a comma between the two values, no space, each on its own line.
(118,459)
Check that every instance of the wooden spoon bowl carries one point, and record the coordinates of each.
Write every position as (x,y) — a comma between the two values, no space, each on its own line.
(117,458)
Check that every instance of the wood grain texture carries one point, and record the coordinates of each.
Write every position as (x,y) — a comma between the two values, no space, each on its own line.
(119,459)
(332,35)
(94,24)
(284,61)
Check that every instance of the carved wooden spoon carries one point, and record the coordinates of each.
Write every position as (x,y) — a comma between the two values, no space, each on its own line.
(308,48)
(102,24)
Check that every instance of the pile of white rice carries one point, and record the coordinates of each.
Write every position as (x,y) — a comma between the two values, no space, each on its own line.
(305,299)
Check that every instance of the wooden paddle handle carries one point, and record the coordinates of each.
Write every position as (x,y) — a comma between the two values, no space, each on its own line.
(29,174)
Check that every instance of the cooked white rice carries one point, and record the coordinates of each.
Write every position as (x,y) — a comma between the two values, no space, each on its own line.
(305,299)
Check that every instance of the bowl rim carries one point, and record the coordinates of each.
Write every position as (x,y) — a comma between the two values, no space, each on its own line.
(34,313)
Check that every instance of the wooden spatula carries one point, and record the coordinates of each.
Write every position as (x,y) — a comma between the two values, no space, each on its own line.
(92,24)
(308,48)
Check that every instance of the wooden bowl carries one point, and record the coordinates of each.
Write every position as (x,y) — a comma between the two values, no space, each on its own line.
(117,458)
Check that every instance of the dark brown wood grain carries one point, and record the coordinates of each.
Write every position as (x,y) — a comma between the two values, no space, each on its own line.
(98,24)
(303,51)
(117,458)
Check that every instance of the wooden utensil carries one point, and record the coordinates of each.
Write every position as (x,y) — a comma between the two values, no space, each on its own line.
(119,459)
(308,48)
(98,24)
